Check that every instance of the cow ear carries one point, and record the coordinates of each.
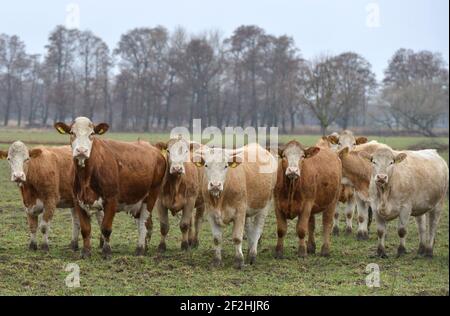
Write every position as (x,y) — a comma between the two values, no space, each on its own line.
(34,153)
(365,155)
(3,154)
(333,139)
(400,157)
(101,128)
(281,149)
(361,140)
(62,128)
(234,162)
(311,152)
(161,146)
(200,163)
(343,152)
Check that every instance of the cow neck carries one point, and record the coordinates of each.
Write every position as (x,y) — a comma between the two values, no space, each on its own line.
(383,194)
(171,183)
(358,176)
(85,173)
(291,185)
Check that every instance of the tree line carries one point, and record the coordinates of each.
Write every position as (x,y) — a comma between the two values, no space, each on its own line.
(155,79)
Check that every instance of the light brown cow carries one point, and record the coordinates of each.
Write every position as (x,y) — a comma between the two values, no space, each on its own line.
(308,182)
(180,191)
(113,176)
(404,184)
(237,187)
(44,176)
(356,173)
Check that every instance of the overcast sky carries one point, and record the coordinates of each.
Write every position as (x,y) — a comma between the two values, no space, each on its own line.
(318,26)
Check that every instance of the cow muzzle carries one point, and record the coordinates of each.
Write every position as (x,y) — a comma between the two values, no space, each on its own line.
(215,188)
(18,177)
(81,153)
(176,170)
(292,173)
(381,179)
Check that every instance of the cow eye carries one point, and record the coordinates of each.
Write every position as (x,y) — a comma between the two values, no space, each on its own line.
(226,166)
(206,166)
(391,163)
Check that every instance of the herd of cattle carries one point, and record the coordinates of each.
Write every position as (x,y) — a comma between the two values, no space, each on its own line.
(101,177)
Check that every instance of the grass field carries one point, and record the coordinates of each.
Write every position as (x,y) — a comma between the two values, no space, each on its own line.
(23,272)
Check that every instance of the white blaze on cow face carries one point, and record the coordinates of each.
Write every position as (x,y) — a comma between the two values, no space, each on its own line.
(383,164)
(18,158)
(82,134)
(345,139)
(177,154)
(217,162)
(293,155)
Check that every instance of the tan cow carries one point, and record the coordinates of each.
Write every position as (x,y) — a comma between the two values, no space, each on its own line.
(308,182)
(112,176)
(237,184)
(44,176)
(180,191)
(404,184)
(356,173)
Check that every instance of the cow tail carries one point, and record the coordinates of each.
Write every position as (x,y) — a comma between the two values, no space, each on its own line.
(370,212)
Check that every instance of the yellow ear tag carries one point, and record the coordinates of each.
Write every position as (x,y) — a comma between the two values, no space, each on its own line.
(61,130)
(199,164)
(233,165)
(164,153)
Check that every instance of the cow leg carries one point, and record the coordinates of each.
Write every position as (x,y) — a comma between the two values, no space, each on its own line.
(255,232)
(336,222)
(185,223)
(422,228)
(75,230)
(151,201)
(311,245)
(433,221)
(217,235)
(302,227)
(32,225)
(197,225)
(281,233)
(106,228)
(327,223)
(405,214)
(349,209)
(238,234)
(142,230)
(99,215)
(363,219)
(381,233)
(163,215)
(44,224)
(85,227)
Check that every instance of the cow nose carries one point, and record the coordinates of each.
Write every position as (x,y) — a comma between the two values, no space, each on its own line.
(292,172)
(382,178)
(177,169)
(81,151)
(215,186)
(18,177)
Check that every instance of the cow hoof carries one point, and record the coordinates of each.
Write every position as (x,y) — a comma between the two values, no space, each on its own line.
(429,253)
(85,253)
(421,251)
(162,247)
(184,245)
(325,252)
(302,252)
(362,235)
(74,245)
(238,263)
(33,246)
(216,263)
(382,253)
(252,259)
(193,243)
(311,249)
(348,231)
(336,231)
(106,252)
(278,254)
(140,251)
(44,247)
(401,251)
(102,242)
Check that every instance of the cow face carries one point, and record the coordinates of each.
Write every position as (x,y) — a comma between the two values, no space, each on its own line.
(346,139)
(383,163)
(18,157)
(81,133)
(177,153)
(292,156)
(217,162)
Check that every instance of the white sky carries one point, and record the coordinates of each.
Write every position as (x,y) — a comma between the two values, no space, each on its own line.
(318,26)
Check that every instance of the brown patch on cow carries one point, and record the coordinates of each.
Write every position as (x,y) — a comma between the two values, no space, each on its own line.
(402,232)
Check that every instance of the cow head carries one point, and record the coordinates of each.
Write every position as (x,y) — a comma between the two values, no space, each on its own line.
(345,139)
(292,155)
(217,162)
(18,157)
(81,132)
(383,163)
(177,152)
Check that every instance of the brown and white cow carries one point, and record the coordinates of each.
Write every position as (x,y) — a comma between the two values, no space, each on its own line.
(44,176)
(308,182)
(237,187)
(112,176)
(405,184)
(180,191)
(348,197)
